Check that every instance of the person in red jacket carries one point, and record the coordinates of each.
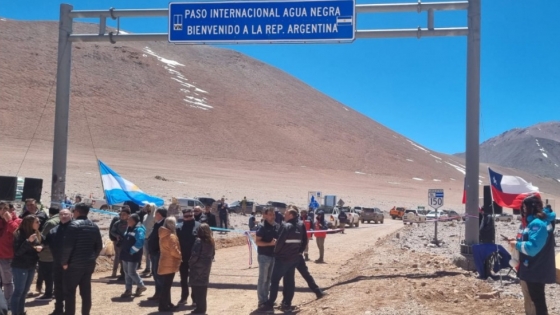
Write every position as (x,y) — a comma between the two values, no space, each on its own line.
(9,222)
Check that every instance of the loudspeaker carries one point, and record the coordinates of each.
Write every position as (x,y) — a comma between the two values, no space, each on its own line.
(487,230)
(32,188)
(8,187)
(489,203)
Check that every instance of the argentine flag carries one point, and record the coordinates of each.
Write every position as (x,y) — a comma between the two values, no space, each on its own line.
(118,189)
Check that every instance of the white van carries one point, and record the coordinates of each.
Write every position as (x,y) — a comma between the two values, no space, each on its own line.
(189,203)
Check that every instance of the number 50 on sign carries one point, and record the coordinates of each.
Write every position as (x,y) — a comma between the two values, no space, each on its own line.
(435,198)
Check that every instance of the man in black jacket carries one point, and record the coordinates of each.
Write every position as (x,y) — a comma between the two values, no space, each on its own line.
(54,240)
(80,250)
(186,232)
(210,217)
(153,246)
(291,241)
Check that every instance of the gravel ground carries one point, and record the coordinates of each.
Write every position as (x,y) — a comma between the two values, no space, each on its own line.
(451,233)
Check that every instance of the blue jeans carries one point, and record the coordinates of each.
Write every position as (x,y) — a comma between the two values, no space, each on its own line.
(157,278)
(22,283)
(286,270)
(266,264)
(131,275)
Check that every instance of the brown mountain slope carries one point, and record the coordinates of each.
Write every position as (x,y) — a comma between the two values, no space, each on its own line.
(195,101)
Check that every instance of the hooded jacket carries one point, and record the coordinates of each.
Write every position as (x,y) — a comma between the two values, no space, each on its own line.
(170,254)
(535,243)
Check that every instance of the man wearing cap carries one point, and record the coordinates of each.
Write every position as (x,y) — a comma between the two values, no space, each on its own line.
(187,232)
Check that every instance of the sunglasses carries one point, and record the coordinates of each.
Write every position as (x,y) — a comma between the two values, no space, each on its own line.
(187,216)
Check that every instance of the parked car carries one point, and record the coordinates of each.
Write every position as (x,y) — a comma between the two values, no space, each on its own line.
(353,217)
(397,212)
(235,207)
(452,215)
(359,209)
(276,205)
(207,201)
(413,216)
(189,203)
(440,215)
(503,217)
(371,214)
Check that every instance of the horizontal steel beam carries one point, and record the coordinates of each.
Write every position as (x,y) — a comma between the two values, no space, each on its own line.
(117,38)
(418,33)
(411,7)
(360,8)
(118,13)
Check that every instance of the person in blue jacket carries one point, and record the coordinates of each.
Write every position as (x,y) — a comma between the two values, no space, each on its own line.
(131,255)
(535,243)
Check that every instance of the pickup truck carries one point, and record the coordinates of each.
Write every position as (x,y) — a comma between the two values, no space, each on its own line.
(413,216)
(397,212)
(371,214)
(353,217)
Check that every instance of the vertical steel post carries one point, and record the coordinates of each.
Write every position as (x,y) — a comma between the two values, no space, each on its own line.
(473,114)
(63,72)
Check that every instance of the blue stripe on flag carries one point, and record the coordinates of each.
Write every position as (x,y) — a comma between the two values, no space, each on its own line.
(116,195)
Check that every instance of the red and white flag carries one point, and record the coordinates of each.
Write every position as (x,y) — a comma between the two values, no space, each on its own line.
(509,191)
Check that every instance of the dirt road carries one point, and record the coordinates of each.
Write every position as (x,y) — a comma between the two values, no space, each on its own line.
(233,285)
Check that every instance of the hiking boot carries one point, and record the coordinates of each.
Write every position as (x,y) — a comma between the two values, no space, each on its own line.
(126,294)
(319,261)
(285,307)
(182,302)
(146,271)
(140,290)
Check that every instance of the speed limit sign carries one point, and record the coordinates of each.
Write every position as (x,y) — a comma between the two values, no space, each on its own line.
(435,198)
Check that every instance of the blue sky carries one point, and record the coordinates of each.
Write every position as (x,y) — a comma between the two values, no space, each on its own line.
(415,87)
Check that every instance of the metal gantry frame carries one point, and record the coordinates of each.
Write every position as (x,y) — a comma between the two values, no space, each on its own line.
(472,31)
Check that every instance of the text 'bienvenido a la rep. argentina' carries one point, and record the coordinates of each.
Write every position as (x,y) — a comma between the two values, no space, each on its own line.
(260,20)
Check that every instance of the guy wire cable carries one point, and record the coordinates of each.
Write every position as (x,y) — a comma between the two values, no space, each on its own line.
(40,118)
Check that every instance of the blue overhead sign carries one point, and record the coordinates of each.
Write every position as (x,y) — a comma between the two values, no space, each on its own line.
(262,21)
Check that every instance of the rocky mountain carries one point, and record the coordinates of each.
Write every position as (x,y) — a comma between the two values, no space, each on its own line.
(534,149)
(196,103)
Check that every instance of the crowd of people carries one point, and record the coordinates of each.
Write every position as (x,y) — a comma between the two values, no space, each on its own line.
(62,247)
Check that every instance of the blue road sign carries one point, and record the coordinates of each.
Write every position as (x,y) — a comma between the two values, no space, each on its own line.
(262,21)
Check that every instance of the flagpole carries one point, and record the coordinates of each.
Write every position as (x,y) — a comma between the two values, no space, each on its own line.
(102,186)
(492,205)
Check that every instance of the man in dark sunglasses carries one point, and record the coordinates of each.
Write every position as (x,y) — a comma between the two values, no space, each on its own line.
(186,232)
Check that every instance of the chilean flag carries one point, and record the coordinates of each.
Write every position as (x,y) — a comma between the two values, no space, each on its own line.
(509,191)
